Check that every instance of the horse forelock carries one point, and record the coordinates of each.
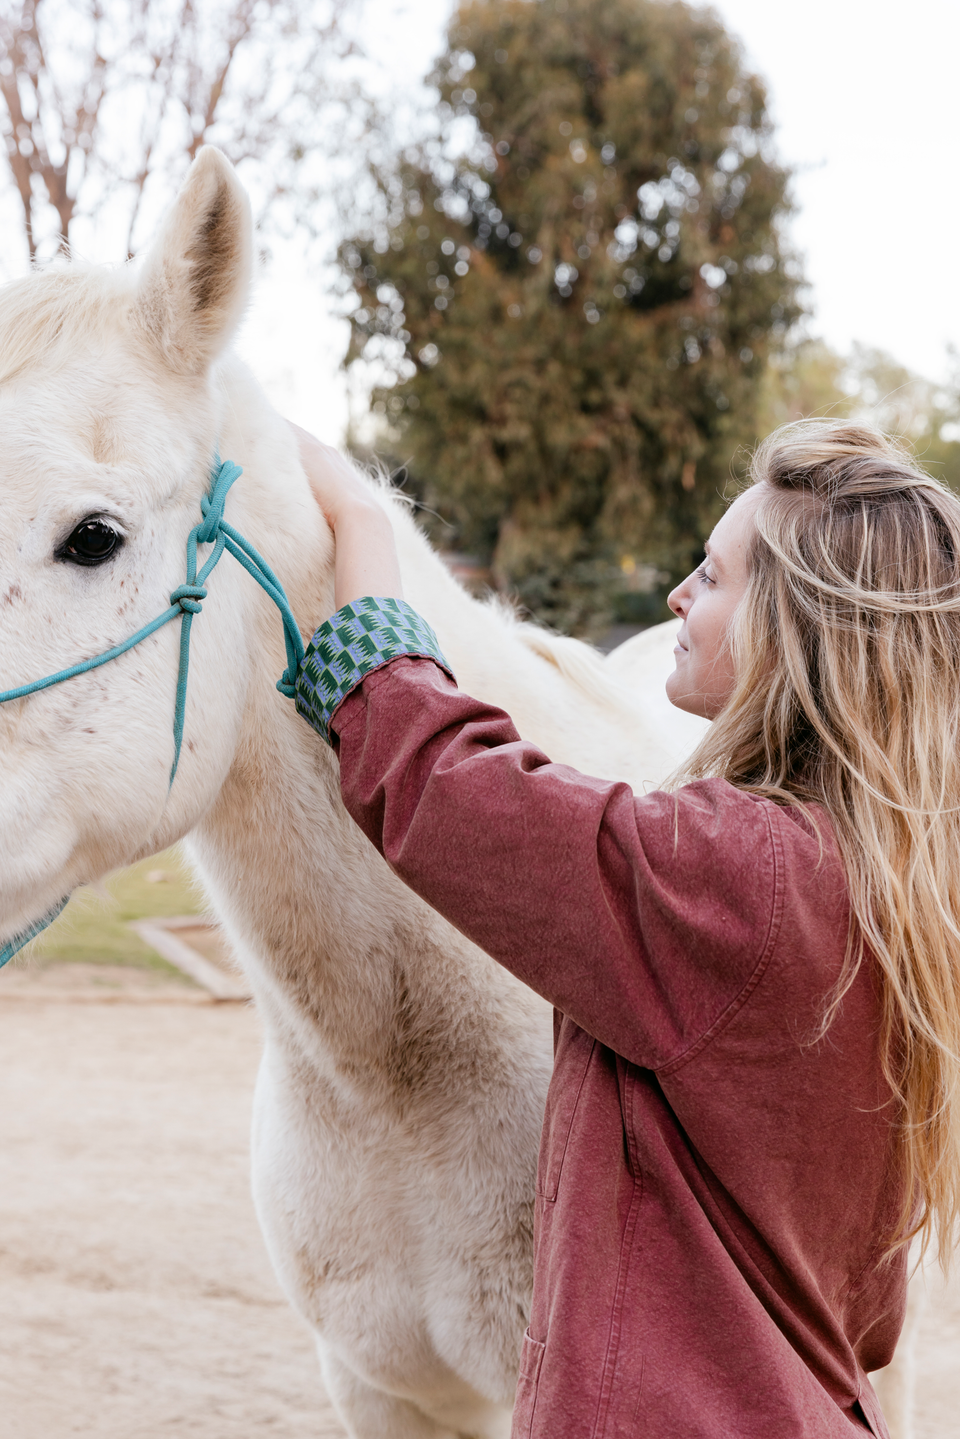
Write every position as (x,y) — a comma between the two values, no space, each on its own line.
(48,315)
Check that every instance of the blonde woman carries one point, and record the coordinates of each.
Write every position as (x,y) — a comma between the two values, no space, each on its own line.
(755,976)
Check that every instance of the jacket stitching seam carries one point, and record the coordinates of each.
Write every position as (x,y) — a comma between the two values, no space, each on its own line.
(619,1298)
(551,1198)
(763,963)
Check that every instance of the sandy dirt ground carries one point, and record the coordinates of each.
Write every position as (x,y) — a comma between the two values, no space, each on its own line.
(136,1299)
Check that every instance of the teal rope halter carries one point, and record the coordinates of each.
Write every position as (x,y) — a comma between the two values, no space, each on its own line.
(185,602)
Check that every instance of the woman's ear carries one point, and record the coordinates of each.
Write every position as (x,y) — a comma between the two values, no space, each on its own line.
(196,279)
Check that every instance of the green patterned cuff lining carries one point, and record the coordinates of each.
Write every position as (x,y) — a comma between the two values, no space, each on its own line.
(359,638)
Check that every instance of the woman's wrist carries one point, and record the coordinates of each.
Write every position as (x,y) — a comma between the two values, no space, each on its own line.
(365,555)
(356,510)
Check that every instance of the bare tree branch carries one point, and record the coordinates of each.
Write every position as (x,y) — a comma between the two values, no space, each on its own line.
(16,134)
(104,103)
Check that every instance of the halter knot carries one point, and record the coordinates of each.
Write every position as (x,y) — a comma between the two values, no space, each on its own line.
(212,505)
(188,597)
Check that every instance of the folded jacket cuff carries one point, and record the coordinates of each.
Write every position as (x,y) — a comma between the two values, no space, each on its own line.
(359,638)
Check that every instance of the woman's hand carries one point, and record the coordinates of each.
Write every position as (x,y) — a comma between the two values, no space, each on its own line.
(366,556)
(336,486)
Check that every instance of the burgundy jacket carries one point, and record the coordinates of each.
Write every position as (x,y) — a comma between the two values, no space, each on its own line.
(715,1181)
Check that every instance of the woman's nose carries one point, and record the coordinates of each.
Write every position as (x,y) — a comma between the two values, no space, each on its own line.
(678,599)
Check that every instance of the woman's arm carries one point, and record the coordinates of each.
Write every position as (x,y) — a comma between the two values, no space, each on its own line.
(366,556)
(642,919)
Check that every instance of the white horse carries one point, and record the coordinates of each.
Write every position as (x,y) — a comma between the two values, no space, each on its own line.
(399,1102)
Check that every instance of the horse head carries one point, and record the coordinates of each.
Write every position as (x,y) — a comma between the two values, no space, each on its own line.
(115,392)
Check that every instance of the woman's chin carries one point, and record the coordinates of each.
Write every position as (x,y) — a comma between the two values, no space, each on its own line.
(691,704)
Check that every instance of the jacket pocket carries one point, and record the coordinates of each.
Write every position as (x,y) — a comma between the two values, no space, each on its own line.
(531,1358)
(569,1071)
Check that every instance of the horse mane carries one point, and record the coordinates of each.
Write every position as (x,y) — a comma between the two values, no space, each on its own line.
(577,661)
(48,312)
(573,658)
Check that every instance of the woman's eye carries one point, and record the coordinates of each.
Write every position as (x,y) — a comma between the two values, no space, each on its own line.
(91,543)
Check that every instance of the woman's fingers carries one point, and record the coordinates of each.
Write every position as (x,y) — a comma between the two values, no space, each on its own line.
(366,556)
(335,483)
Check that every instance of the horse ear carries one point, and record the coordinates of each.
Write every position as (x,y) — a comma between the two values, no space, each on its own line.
(196,278)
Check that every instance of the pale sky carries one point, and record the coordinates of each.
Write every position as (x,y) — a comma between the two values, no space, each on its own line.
(866,104)
(865,100)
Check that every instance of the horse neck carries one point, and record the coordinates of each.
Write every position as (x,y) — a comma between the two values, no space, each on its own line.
(555,689)
(335,946)
(343,958)
(347,964)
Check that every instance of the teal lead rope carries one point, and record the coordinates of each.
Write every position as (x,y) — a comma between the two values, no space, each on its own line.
(38,926)
(186,602)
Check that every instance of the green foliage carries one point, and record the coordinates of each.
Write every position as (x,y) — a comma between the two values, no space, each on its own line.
(922,412)
(805,379)
(941,456)
(576,306)
(810,379)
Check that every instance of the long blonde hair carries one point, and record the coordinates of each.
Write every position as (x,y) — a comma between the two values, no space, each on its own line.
(847,694)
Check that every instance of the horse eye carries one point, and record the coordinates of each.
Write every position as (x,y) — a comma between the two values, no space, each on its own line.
(91,543)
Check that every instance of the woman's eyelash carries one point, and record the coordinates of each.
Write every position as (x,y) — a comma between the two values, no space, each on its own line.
(701,574)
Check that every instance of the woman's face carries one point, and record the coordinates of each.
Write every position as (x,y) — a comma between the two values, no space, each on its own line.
(702,681)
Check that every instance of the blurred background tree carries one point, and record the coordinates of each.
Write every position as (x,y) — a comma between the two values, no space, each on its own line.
(106,102)
(807,378)
(803,378)
(572,292)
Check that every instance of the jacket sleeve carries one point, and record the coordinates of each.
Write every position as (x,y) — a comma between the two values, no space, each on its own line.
(646,920)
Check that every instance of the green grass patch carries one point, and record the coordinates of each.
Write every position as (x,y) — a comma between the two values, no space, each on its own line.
(94,927)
